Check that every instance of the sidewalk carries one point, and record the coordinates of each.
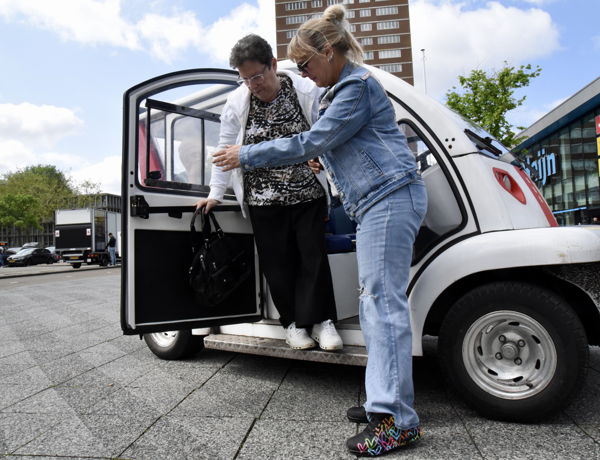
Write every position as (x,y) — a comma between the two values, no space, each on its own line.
(46,269)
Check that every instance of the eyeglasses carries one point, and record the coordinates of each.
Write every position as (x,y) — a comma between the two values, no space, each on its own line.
(302,67)
(254,79)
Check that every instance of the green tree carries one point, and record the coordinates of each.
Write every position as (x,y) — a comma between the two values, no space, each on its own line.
(49,186)
(485,99)
(19,210)
(30,196)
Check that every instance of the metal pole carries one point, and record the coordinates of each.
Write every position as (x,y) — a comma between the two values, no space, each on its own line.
(424,73)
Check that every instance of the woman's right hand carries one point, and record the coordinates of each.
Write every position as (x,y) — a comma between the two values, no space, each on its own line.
(207,204)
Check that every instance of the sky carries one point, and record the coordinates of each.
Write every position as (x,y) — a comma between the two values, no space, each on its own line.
(65,64)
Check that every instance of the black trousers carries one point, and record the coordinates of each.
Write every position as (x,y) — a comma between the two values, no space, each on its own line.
(291,250)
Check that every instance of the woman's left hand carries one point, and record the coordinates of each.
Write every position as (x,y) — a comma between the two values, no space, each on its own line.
(228,158)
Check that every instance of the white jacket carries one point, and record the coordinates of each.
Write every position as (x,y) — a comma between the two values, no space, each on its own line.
(233,124)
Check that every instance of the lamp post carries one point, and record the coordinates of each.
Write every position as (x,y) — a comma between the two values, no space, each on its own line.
(424,72)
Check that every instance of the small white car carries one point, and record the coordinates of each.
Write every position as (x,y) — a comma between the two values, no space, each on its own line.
(512,297)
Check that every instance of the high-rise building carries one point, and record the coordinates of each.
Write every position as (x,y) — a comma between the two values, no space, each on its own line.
(382,27)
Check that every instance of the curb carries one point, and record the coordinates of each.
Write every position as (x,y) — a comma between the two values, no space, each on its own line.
(20,275)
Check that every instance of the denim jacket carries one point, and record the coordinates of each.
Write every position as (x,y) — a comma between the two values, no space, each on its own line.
(357,138)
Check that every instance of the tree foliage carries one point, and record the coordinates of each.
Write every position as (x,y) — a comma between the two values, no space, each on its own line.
(485,99)
(20,210)
(30,196)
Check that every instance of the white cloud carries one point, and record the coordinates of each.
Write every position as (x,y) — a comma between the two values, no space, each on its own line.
(101,22)
(457,40)
(245,19)
(85,21)
(36,125)
(106,172)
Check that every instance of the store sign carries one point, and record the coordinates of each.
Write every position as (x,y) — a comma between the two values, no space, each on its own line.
(598,127)
(544,165)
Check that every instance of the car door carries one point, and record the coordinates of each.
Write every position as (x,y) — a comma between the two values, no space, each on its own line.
(170,128)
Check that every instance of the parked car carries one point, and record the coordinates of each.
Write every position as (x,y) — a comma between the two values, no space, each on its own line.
(513,297)
(30,256)
(55,255)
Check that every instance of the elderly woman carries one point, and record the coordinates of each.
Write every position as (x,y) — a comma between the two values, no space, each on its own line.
(287,204)
(375,173)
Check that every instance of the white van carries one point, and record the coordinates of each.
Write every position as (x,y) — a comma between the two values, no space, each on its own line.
(512,297)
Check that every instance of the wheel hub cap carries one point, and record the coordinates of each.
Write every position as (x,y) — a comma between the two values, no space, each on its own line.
(509,354)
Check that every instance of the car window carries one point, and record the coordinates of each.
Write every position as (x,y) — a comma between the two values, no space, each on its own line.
(177,136)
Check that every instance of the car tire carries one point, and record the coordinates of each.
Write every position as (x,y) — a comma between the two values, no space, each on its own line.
(514,351)
(76,265)
(173,345)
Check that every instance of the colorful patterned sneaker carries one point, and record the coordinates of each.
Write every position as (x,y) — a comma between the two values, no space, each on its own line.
(381,436)
(357,414)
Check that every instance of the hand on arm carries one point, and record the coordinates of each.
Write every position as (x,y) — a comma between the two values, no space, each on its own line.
(227,158)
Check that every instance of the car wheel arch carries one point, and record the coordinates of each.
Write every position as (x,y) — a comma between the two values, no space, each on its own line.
(578,299)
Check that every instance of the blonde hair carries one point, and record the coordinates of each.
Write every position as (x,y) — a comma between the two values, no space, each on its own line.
(332,28)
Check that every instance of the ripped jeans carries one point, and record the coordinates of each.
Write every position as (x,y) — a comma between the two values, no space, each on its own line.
(384,246)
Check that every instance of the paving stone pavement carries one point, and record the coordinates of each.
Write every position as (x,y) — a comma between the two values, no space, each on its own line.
(72,386)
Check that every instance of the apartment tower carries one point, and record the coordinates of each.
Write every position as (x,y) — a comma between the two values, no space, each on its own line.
(381,26)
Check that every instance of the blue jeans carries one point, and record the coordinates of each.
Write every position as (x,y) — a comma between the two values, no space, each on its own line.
(112,251)
(384,246)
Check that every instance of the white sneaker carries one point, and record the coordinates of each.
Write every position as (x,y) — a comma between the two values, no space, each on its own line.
(298,338)
(327,336)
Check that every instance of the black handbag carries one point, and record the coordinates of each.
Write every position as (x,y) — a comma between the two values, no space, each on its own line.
(220,263)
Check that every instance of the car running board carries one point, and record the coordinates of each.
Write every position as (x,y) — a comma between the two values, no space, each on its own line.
(350,355)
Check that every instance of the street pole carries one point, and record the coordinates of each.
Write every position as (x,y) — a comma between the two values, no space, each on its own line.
(424,73)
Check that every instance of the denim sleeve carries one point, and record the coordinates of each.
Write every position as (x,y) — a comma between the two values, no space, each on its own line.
(349,111)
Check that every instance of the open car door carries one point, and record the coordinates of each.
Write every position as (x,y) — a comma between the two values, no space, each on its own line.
(170,129)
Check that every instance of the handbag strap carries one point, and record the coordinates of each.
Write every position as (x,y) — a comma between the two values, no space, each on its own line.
(205,220)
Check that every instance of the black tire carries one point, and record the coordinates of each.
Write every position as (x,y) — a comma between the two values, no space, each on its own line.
(76,265)
(514,351)
(172,345)
(103,261)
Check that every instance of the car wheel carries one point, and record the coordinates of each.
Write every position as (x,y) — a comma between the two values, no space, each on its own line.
(172,345)
(514,351)
(76,265)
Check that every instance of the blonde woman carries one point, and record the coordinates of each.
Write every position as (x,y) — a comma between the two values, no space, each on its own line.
(369,161)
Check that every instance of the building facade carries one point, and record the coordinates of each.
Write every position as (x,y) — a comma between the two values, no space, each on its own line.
(381,26)
(562,154)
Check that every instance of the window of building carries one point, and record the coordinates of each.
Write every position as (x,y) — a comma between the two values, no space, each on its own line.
(348,2)
(387,39)
(295,6)
(333,2)
(350,14)
(391,67)
(387,54)
(297,19)
(364,1)
(352,27)
(365,13)
(386,11)
(317,3)
(369,55)
(385,25)
(291,33)
(366,41)
(366,27)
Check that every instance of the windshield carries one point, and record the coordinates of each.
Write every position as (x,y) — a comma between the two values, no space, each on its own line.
(24,252)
